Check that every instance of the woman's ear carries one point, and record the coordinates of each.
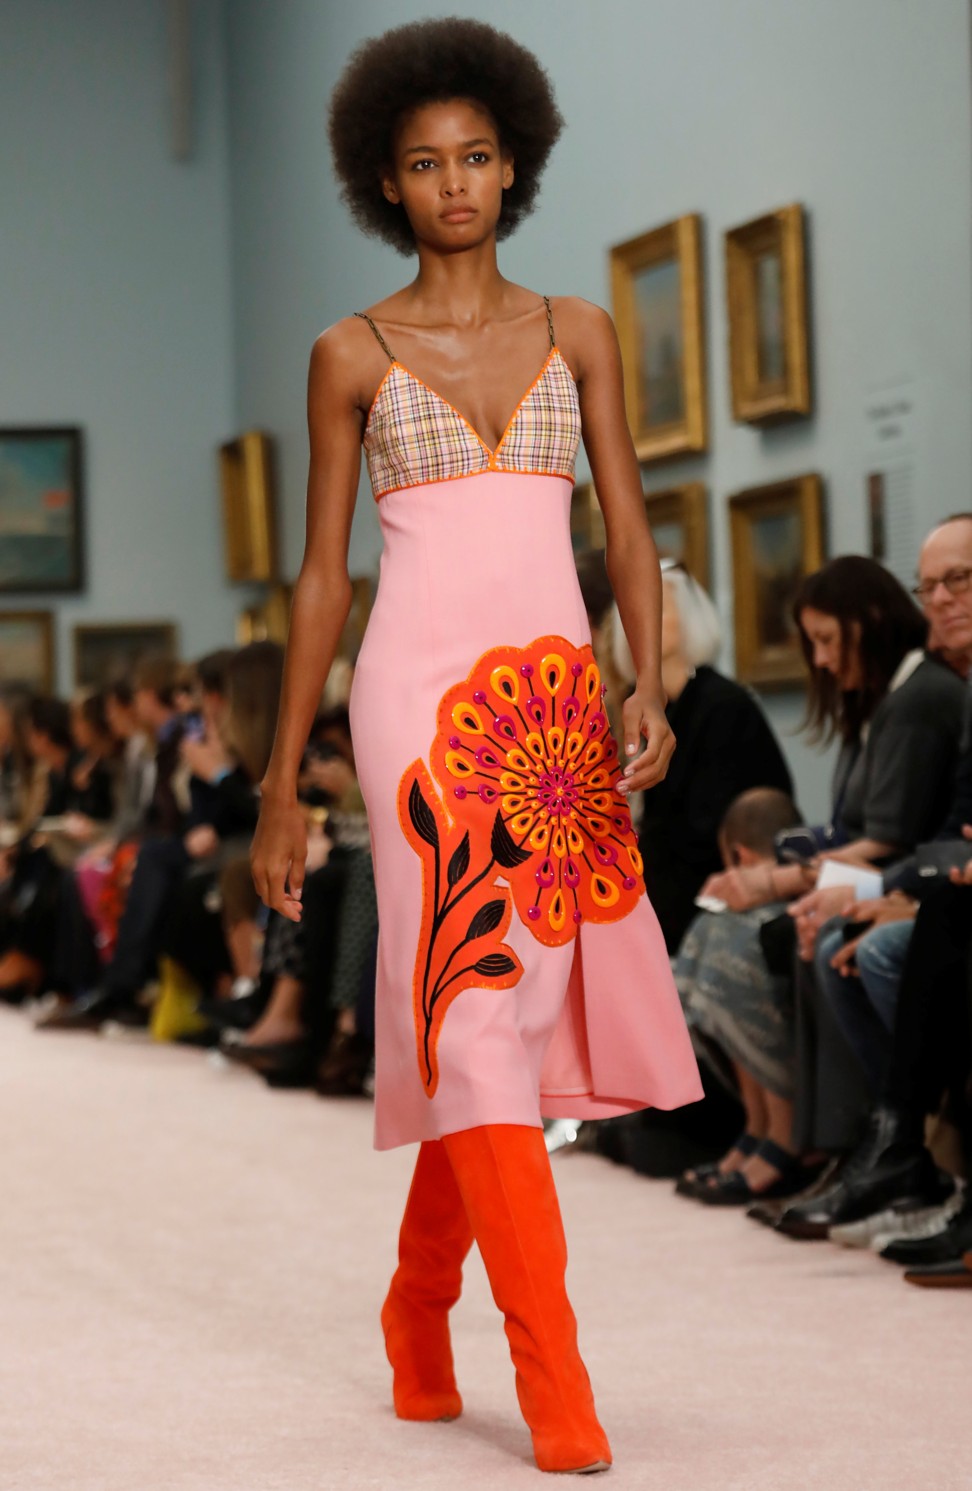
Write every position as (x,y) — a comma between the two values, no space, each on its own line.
(508,172)
(389,188)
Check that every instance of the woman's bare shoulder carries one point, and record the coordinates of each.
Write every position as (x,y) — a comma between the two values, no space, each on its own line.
(346,357)
(585,332)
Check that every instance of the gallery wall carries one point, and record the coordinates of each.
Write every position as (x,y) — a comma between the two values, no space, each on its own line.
(115,311)
(861,112)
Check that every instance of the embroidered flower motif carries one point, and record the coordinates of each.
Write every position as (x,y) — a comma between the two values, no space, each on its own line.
(524,753)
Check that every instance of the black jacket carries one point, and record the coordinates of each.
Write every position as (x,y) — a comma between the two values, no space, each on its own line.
(724,747)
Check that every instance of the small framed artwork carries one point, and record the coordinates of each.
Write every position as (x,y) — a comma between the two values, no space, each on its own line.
(768,336)
(41,509)
(268,620)
(586,519)
(656,285)
(27,649)
(680,525)
(249,507)
(105,651)
(777,534)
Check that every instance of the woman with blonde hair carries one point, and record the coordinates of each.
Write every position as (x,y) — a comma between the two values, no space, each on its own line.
(725,747)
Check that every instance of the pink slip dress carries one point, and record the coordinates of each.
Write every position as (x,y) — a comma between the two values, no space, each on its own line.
(521,970)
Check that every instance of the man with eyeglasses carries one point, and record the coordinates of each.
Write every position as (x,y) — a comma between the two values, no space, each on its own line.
(888,1184)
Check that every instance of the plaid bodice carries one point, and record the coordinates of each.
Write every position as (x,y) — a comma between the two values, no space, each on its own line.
(413,435)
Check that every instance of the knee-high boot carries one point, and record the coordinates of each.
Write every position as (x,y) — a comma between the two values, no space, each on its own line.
(503,1173)
(433,1243)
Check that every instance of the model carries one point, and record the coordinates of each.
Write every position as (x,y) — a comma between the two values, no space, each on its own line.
(521,970)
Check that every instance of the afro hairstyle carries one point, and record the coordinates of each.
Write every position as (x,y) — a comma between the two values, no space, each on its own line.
(425,62)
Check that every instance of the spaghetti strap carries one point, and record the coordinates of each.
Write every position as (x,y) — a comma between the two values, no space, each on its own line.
(546,301)
(381,340)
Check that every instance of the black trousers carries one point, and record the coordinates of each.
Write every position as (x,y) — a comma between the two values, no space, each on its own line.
(932,1046)
(159,869)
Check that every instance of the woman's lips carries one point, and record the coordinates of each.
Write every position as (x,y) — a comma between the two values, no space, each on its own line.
(458,215)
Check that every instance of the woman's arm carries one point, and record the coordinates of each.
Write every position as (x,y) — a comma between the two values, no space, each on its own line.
(630,556)
(321,602)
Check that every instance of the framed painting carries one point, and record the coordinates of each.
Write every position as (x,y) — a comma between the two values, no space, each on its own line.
(246,468)
(27,649)
(767,298)
(680,524)
(586,519)
(777,534)
(268,620)
(104,651)
(656,286)
(41,508)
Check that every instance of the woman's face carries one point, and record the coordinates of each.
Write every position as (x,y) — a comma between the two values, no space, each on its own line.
(81,732)
(671,630)
(824,635)
(448,173)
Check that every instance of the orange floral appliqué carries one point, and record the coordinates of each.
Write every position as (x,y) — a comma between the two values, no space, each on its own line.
(526,760)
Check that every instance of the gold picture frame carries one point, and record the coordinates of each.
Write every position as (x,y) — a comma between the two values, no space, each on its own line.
(586,519)
(246,473)
(268,620)
(656,289)
(105,651)
(27,649)
(766,291)
(777,534)
(679,518)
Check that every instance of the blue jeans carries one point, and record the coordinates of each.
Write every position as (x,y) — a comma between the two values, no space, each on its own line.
(864,1006)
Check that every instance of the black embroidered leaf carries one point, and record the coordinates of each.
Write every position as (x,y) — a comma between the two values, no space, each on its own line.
(423,819)
(494,965)
(487,919)
(505,851)
(459,863)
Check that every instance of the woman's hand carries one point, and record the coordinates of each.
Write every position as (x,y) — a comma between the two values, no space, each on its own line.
(812,910)
(895,907)
(201,842)
(741,888)
(79,827)
(643,714)
(279,852)
(964,875)
(204,758)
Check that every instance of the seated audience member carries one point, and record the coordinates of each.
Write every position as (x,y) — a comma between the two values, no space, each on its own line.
(733,1006)
(160,860)
(15,759)
(900,716)
(211,927)
(308,1030)
(907,768)
(916,928)
(94,784)
(725,746)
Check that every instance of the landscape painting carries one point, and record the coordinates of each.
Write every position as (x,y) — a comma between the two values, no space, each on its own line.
(40,509)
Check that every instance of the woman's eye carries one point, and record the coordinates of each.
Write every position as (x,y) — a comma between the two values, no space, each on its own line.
(419,164)
(479,155)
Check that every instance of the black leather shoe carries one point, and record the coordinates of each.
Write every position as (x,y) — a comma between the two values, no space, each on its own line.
(819,1179)
(951,1275)
(89,1012)
(890,1166)
(943,1247)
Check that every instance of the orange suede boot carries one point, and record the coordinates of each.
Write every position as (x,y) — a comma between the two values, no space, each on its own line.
(434,1241)
(504,1175)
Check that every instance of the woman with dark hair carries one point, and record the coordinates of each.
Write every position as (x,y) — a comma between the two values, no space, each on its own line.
(497,804)
(899,714)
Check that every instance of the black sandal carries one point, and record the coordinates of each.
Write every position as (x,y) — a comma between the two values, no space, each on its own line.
(689,1181)
(733,1189)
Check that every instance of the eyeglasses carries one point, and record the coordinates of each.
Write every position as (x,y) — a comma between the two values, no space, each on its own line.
(956,582)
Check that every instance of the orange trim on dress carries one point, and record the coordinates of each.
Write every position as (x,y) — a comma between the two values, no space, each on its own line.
(468,476)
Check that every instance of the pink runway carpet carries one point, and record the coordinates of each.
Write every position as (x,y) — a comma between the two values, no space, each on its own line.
(192,1269)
